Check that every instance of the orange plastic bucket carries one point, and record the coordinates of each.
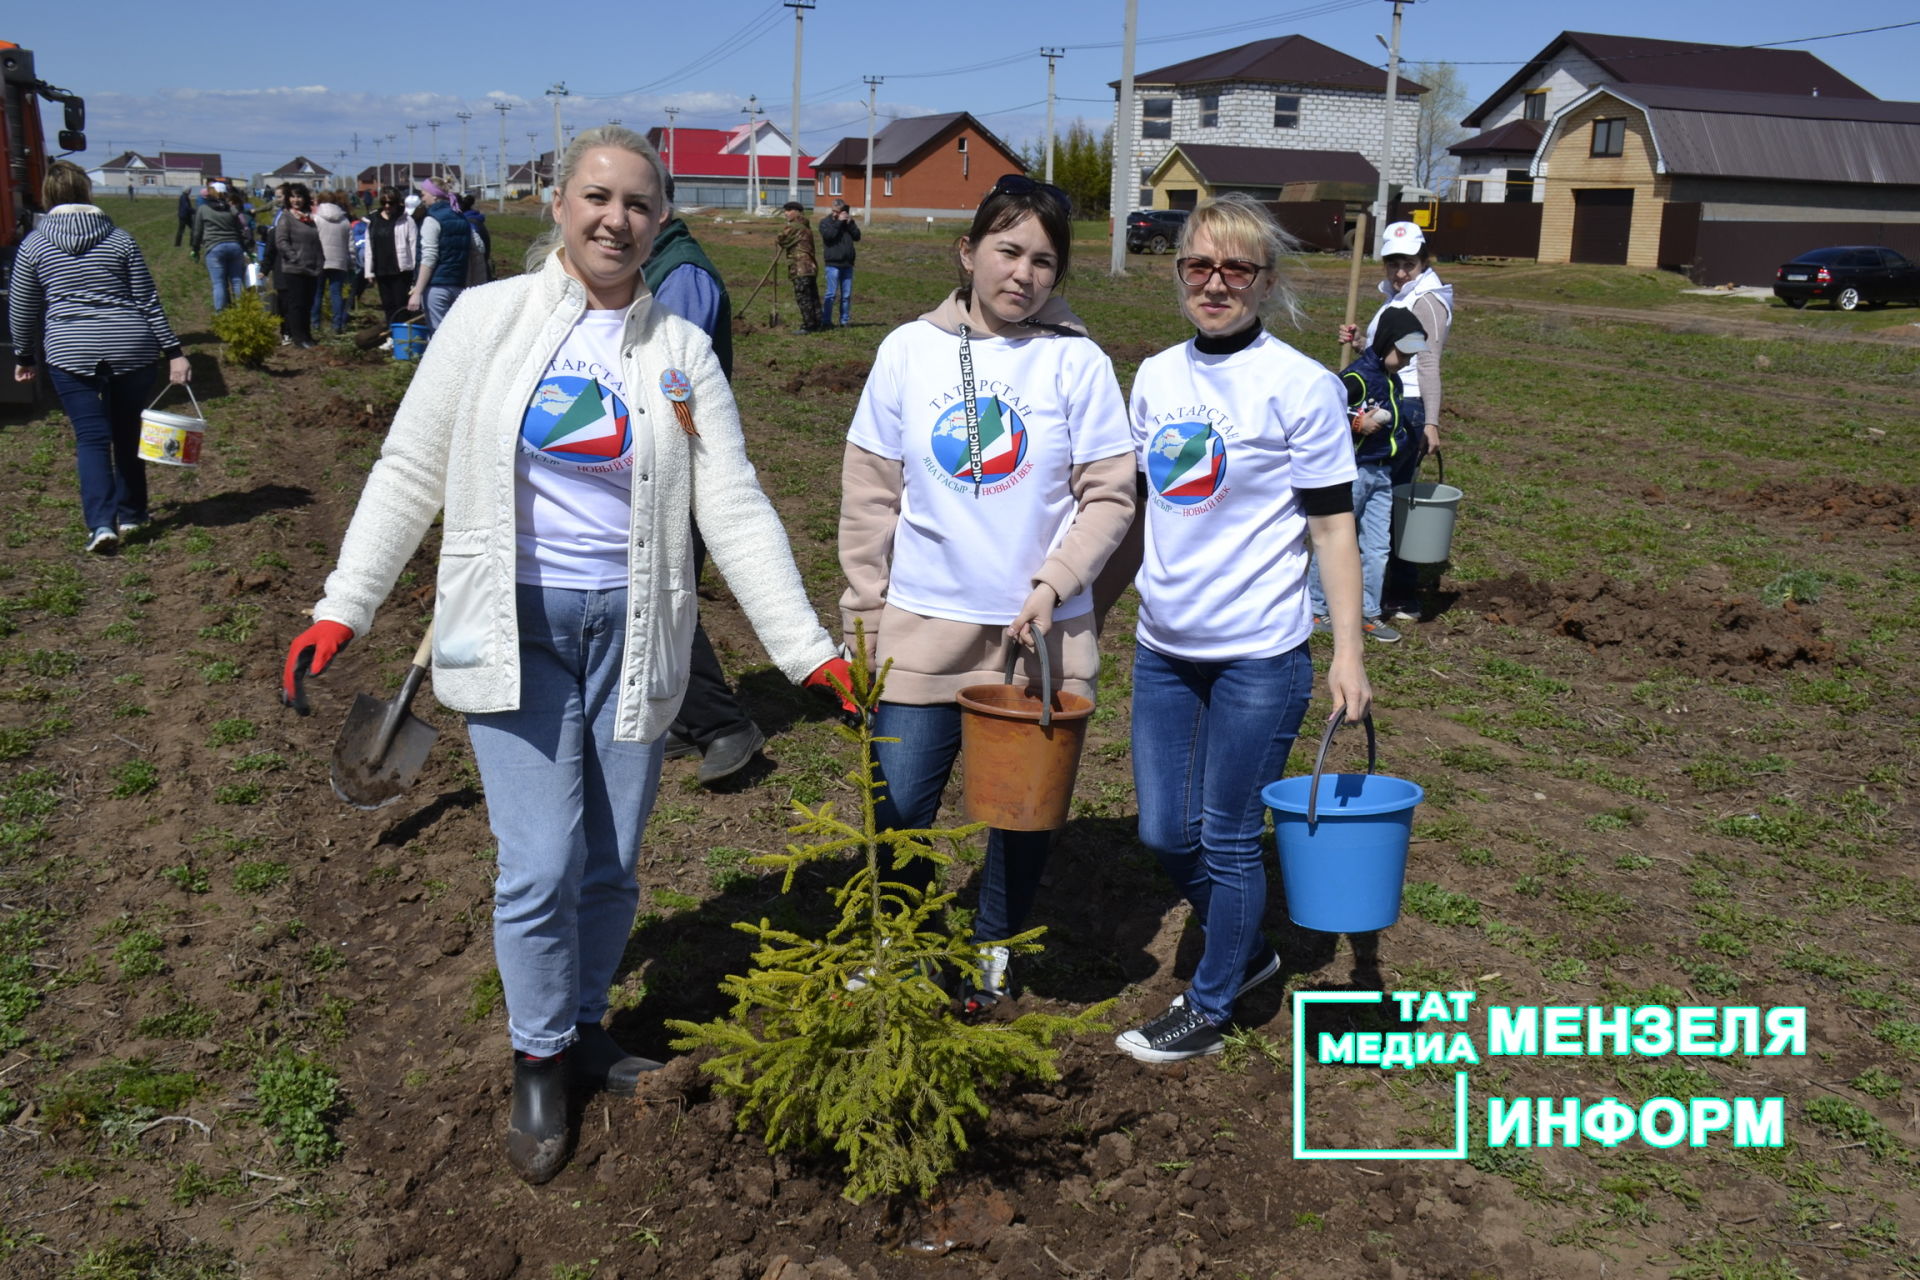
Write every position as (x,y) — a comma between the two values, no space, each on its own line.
(1021,751)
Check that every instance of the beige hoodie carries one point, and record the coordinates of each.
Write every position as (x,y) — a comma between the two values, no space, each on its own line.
(933,658)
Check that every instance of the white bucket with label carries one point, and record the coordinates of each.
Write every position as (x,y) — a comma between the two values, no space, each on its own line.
(172,439)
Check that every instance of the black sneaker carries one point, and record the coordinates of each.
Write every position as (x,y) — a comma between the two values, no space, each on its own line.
(1176,1035)
(1259,969)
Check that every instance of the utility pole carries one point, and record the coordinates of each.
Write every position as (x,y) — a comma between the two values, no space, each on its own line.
(411,153)
(533,163)
(1052,56)
(463,117)
(558,92)
(671,113)
(482,149)
(433,145)
(799,8)
(378,179)
(753,111)
(1386,127)
(356,143)
(1126,181)
(873,87)
(502,108)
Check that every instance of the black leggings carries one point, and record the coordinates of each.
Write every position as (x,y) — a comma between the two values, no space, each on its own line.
(296,304)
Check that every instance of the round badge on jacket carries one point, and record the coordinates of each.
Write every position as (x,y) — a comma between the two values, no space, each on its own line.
(676,386)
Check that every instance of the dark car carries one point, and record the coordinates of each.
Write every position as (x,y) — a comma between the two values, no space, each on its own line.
(1154,230)
(1848,276)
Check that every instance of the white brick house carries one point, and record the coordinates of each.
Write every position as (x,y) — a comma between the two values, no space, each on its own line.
(1287,93)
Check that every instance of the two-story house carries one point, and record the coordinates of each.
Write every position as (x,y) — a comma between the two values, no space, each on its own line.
(1289,94)
(1494,163)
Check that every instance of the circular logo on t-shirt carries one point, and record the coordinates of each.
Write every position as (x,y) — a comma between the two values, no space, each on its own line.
(1003,441)
(1187,462)
(576,422)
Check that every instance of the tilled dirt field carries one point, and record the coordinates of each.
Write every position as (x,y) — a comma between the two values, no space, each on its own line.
(1666,789)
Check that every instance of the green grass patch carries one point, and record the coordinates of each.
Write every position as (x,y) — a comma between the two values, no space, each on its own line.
(226,733)
(1441,906)
(297,1097)
(260,876)
(134,778)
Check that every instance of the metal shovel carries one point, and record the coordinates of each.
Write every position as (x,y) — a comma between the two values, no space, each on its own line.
(382,745)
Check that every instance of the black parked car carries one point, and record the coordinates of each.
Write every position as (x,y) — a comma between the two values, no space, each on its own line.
(1848,276)
(1154,230)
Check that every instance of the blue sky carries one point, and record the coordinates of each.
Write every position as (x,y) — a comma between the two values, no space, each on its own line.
(262,83)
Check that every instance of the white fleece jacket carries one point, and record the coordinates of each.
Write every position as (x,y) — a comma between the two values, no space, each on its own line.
(453,445)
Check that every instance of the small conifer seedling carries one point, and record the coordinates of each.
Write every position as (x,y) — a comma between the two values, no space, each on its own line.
(847,1043)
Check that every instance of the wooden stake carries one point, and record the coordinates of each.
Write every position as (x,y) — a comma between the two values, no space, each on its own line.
(1350,351)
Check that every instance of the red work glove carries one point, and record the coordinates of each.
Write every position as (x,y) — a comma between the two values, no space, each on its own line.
(310,653)
(836,677)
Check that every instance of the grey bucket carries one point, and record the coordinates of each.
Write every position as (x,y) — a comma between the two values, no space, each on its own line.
(1423,519)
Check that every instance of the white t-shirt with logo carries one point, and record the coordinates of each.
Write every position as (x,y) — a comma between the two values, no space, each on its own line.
(580,440)
(1224,442)
(1046,405)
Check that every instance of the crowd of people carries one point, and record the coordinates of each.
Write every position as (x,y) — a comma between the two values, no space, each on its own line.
(574,429)
(317,256)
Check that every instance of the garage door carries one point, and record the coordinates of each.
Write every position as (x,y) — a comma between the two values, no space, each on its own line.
(1602,222)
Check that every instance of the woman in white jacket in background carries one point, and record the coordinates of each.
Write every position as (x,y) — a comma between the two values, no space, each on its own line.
(1409,280)
(569,428)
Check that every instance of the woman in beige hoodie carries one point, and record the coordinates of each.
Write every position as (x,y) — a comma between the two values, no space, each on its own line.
(988,476)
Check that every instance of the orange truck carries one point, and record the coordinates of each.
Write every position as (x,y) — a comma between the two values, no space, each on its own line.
(23,166)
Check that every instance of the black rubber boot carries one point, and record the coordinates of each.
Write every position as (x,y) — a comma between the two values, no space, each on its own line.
(597,1063)
(538,1139)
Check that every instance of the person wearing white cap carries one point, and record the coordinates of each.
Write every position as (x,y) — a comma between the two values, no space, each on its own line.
(1406,254)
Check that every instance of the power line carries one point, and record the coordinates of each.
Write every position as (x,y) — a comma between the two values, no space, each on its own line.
(1692,51)
(750,32)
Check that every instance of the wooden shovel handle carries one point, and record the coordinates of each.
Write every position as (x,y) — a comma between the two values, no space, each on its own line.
(1350,351)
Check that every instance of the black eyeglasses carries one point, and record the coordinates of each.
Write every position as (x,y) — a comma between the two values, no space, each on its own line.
(1019,184)
(1235,273)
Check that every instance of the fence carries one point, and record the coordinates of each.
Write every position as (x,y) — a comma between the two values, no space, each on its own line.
(1735,252)
(1459,230)
(1462,230)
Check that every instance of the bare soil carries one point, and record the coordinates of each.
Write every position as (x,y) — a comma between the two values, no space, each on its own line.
(1561,736)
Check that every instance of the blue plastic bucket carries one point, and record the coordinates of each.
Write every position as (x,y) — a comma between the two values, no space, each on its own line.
(409,340)
(1343,843)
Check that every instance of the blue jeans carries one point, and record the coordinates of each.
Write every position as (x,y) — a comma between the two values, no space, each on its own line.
(568,806)
(227,265)
(1206,737)
(337,282)
(915,771)
(105,412)
(839,285)
(1373,515)
(438,301)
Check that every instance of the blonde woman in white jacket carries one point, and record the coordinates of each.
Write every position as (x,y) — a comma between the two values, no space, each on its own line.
(550,421)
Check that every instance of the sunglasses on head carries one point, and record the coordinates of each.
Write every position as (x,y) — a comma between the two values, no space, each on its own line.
(1235,273)
(1019,184)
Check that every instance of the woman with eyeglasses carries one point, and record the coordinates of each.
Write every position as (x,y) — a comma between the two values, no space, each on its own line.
(987,478)
(1246,454)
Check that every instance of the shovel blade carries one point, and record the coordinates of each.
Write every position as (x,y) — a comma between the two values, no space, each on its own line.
(366,780)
